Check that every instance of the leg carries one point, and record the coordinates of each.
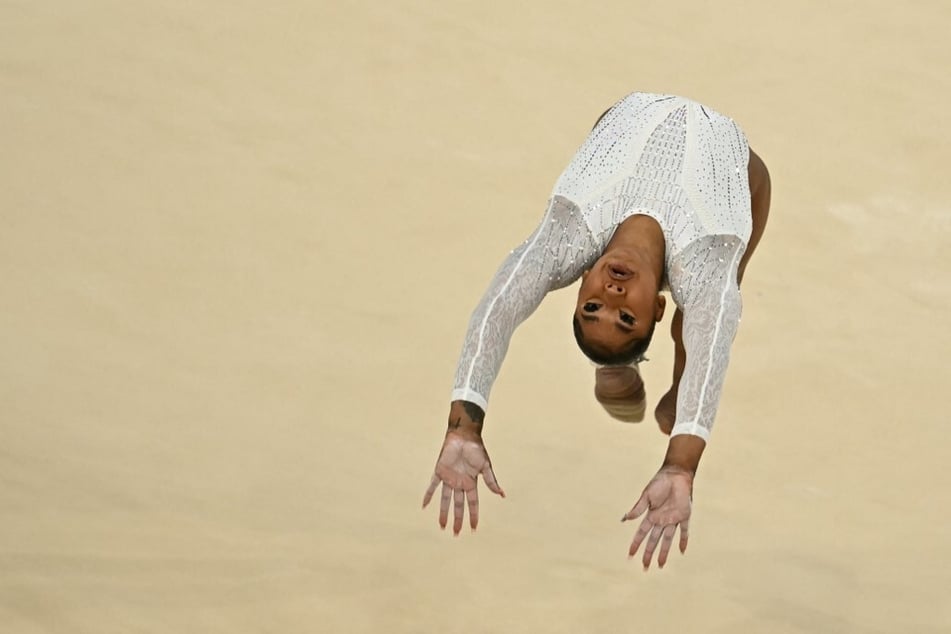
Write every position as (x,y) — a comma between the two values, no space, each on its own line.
(620,391)
(666,411)
(760,192)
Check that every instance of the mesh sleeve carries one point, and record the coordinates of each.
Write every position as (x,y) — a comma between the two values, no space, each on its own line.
(704,283)
(552,257)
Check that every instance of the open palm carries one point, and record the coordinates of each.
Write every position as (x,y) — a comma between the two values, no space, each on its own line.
(667,500)
(462,459)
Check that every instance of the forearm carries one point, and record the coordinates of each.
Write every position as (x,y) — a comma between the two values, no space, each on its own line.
(710,323)
(514,293)
(684,452)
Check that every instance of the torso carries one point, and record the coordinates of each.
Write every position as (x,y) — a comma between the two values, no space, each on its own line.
(666,157)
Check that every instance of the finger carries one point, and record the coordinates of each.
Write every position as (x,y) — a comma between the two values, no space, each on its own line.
(684,535)
(665,545)
(444,505)
(472,497)
(490,480)
(642,505)
(639,536)
(458,506)
(651,545)
(432,489)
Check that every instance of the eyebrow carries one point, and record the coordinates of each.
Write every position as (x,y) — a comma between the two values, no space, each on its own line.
(621,327)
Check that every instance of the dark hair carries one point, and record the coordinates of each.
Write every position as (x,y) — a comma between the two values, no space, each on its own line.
(634,352)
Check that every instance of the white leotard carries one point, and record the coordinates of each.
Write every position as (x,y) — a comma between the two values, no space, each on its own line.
(676,161)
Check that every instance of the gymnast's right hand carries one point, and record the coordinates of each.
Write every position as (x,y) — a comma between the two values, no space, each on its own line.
(462,459)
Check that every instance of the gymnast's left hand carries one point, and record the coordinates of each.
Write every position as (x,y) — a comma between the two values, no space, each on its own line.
(667,501)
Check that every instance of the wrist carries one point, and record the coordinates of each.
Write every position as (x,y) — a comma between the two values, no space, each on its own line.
(465,418)
(683,453)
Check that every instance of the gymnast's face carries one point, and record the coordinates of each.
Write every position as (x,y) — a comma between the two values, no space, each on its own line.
(618,302)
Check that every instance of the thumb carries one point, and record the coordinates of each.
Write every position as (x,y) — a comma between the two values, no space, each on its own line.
(642,505)
(489,476)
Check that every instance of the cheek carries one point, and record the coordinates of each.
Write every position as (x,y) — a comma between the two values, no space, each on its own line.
(644,308)
(583,291)
(588,285)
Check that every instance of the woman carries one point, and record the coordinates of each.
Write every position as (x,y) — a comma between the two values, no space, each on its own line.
(663,194)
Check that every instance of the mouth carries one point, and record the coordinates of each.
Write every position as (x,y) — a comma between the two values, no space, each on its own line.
(619,271)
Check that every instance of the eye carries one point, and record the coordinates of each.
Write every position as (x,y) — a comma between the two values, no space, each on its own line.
(590,307)
(628,319)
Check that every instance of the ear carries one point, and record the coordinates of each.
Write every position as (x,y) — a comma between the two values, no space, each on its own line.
(659,306)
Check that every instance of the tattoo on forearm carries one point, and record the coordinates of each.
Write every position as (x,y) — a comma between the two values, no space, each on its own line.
(474,412)
(457,423)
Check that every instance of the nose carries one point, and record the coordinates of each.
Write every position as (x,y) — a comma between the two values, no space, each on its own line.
(614,289)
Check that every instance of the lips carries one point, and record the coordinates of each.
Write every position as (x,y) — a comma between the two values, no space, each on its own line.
(619,271)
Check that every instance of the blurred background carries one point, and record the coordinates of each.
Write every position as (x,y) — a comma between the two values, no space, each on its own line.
(239,245)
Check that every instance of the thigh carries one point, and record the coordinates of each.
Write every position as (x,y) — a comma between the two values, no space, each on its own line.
(760,190)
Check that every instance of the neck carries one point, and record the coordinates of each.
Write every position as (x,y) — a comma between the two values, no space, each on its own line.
(640,239)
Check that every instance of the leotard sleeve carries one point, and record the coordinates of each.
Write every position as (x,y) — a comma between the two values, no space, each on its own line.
(703,281)
(552,257)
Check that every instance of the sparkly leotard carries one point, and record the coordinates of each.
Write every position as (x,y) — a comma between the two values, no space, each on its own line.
(676,161)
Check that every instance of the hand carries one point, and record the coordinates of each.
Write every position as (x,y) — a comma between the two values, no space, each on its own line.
(462,459)
(667,500)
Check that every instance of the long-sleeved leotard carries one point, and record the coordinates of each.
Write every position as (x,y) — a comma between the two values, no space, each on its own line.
(659,155)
